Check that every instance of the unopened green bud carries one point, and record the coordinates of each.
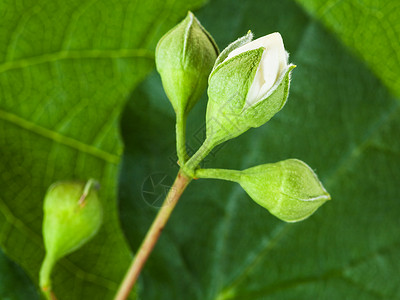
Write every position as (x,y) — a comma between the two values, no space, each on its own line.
(184,58)
(289,189)
(249,84)
(72,215)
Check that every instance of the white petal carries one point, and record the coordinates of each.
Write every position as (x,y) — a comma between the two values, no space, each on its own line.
(273,63)
(258,43)
(268,71)
(273,40)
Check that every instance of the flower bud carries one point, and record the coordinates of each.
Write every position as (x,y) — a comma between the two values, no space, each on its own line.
(249,84)
(184,58)
(289,189)
(72,215)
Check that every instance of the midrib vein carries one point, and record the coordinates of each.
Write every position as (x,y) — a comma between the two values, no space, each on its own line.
(59,138)
(78,54)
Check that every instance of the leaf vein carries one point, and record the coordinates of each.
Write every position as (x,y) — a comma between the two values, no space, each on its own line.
(59,138)
(79,54)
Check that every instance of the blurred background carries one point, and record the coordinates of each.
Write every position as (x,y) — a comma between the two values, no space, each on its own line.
(79,98)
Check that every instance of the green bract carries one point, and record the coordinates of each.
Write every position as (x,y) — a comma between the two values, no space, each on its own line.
(72,215)
(232,46)
(289,189)
(184,58)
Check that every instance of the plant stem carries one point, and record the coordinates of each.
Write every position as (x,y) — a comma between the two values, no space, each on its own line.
(195,160)
(45,281)
(152,235)
(181,138)
(49,294)
(224,174)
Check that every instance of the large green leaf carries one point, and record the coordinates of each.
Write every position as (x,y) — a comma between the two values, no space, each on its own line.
(15,285)
(339,119)
(370,28)
(66,69)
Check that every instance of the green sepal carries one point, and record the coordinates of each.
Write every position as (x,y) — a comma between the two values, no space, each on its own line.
(265,109)
(185,56)
(289,189)
(232,46)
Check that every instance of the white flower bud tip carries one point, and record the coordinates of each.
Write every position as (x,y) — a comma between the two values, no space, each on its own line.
(273,65)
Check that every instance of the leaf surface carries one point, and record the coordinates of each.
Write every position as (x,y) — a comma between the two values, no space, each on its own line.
(369,28)
(15,285)
(66,70)
(218,244)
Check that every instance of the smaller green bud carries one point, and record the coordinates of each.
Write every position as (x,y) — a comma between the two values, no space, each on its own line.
(184,58)
(72,215)
(289,189)
(249,84)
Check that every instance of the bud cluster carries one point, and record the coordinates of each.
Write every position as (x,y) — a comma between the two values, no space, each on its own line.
(248,83)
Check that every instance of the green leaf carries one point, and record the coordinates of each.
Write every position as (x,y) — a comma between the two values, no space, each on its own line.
(66,69)
(219,244)
(370,28)
(15,285)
